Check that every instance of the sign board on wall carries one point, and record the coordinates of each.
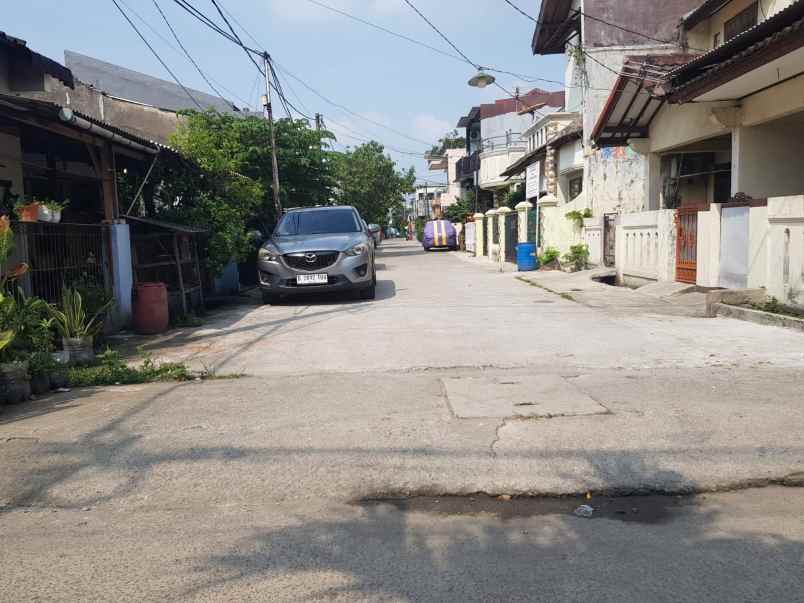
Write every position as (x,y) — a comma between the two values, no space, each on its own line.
(532,182)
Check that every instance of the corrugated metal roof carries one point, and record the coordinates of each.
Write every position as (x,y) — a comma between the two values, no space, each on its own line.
(140,87)
(38,61)
(182,228)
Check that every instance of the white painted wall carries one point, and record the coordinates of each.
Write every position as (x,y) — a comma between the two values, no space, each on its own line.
(785,249)
(766,160)
(593,238)
(557,230)
(702,35)
(646,246)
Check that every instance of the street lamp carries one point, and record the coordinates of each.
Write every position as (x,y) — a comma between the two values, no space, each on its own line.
(482,79)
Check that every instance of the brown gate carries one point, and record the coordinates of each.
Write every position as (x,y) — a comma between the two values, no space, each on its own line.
(687,244)
(609,239)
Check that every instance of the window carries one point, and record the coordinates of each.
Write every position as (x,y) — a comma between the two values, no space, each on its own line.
(716,40)
(575,187)
(324,221)
(740,22)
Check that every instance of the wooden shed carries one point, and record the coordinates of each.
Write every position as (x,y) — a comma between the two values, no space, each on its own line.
(168,253)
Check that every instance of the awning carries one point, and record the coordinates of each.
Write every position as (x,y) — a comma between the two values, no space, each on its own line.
(760,50)
(633,103)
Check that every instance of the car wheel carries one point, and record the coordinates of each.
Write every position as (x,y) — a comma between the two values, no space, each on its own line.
(370,292)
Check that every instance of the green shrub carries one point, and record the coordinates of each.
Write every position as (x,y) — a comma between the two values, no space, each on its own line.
(578,256)
(111,370)
(551,254)
(578,216)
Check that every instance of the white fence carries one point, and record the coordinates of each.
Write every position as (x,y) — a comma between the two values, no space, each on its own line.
(469,234)
(593,238)
(646,245)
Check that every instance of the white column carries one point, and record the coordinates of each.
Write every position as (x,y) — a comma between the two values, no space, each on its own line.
(522,209)
(123,273)
(480,235)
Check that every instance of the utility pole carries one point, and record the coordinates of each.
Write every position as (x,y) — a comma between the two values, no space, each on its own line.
(318,121)
(269,114)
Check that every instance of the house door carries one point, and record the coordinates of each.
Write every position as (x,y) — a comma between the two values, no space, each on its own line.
(511,236)
(687,244)
(609,239)
(734,247)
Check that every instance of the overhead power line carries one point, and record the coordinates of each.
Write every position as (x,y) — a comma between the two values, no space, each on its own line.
(185,51)
(176,50)
(158,58)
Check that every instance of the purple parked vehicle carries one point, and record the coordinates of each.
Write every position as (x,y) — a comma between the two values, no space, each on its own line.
(440,234)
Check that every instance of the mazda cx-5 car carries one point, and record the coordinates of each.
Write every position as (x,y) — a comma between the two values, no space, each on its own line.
(317,249)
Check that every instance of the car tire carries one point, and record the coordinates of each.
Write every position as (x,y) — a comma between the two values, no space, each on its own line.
(370,292)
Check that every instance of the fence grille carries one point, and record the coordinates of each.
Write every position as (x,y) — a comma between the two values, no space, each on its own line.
(533,226)
(495,230)
(511,235)
(469,230)
(60,255)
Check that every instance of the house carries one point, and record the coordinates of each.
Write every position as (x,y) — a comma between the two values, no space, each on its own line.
(55,145)
(599,39)
(727,140)
(447,163)
(426,202)
(494,141)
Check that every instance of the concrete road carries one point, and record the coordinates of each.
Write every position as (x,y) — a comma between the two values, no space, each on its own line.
(263,488)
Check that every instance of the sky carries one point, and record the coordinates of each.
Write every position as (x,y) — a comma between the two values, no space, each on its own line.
(418,93)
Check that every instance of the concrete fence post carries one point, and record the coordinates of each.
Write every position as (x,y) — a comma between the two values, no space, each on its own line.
(502,218)
(522,209)
(480,235)
(491,224)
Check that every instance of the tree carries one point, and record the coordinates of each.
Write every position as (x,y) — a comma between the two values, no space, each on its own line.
(457,212)
(228,189)
(450,140)
(368,180)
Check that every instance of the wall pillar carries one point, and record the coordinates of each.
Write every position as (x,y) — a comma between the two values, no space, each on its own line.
(502,217)
(522,209)
(122,274)
(480,235)
(491,224)
(109,179)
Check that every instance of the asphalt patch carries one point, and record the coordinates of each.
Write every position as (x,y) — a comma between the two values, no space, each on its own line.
(650,509)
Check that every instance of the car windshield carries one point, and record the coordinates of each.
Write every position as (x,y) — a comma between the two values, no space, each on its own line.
(330,221)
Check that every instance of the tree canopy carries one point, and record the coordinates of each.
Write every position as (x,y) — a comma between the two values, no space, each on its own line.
(368,179)
(450,140)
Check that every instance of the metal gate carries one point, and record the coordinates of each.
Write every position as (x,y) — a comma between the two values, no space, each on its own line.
(609,239)
(687,244)
(533,226)
(511,236)
(469,236)
(61,255)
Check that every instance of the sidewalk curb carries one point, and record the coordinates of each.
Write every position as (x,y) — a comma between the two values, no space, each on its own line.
(758,317)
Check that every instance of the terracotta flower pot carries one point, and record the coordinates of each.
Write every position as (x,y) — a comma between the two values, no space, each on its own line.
(30,212)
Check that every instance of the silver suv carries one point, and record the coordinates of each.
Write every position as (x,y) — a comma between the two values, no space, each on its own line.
(317,249)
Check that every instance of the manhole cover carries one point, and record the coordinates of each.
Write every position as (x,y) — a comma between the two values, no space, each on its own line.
(528,396)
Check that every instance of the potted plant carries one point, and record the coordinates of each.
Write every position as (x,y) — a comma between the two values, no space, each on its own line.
(76,327)
(15,386)
(55,208)
(28,211)
(40,367)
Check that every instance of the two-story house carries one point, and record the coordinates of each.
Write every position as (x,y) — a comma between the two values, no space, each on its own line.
(598,37)
(725,132)
(494,141)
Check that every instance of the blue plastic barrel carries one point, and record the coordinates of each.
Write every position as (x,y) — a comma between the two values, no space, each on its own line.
(526,257)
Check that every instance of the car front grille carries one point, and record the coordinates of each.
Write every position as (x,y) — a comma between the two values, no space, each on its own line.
(311,261)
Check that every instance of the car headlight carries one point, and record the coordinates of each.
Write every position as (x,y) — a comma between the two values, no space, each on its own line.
(360,249)
(266,255)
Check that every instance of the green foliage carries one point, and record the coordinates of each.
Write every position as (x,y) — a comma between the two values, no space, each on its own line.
(73,320)
(111,370)
(419,227)
(41,363)
(578,256)
(368,180)
(96,299)
(235,194)
(458,211)
(549,255)
(514,196)
(451,140)
(578,216)
(24,325)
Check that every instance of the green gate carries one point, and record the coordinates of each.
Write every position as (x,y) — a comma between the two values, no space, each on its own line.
(533,226)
